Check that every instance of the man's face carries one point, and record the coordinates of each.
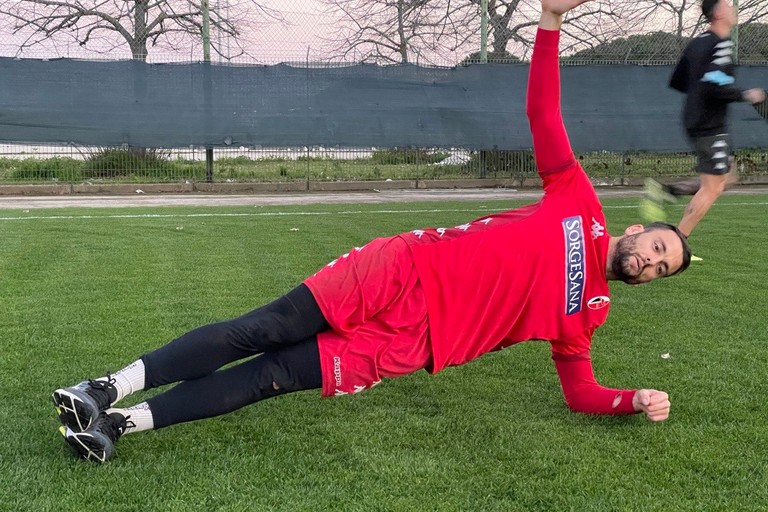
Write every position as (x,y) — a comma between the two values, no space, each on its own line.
(725,11)
(643,256)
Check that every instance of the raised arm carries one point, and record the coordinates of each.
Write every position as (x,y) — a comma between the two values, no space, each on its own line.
(551,146)
(583,394)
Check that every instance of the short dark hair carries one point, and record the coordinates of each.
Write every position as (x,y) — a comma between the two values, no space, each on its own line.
(708,9)
(683,240)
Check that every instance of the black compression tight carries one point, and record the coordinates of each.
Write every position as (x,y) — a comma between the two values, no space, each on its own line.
(294,368)
(291,319)
(283,332)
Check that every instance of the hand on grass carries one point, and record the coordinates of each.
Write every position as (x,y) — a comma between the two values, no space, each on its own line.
(655,404)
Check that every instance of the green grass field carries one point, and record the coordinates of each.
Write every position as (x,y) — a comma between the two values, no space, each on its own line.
(87,291)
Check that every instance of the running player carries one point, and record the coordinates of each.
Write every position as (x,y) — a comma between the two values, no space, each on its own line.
(427,299)
(705,74)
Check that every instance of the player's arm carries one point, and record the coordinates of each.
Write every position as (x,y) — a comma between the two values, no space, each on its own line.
(551,147)
(680,76)
(583,394)
(718,81)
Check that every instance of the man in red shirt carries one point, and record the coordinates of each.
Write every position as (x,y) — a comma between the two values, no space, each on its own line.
(426,299)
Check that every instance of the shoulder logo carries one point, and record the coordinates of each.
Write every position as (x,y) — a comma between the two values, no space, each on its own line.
(598,302)
(598,229)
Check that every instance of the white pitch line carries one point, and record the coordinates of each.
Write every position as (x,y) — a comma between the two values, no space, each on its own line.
(298,214)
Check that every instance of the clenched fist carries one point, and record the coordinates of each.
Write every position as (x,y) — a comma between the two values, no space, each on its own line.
(655,404)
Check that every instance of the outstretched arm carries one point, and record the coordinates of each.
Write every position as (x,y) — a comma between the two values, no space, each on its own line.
(719,82)
(551,146)
(583,394)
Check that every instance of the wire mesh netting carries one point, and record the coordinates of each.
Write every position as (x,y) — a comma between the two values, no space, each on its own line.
(337,33)
(51,164)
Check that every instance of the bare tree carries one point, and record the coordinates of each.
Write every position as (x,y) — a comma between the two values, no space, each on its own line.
(512,22)
(500,16)
(680,17)
(104,26)
(753,11)
(512,25)
(398,31)
(658,30)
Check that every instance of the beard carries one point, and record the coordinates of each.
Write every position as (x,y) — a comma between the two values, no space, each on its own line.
(621,265)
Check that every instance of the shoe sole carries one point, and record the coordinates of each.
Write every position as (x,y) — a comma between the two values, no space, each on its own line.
(93,447)
(75,409)
(654,201)
(651,211)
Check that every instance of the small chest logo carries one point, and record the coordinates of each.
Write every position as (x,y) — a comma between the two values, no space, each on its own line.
(598,302)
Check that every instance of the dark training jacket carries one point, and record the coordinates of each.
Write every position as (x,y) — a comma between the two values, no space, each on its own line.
(706,74)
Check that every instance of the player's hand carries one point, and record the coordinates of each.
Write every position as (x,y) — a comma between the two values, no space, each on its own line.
(655,404)
(754,95)
(560,7)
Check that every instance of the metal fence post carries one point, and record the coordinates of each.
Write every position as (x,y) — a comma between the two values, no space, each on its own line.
(735,34)
(418,161)
(623,173)
(308,107)
(484,31)
(208,85)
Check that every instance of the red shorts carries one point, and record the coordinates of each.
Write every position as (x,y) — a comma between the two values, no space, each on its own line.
(376,308)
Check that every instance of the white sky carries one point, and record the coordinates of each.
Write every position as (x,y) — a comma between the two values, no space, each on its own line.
(307,21)
(301,38)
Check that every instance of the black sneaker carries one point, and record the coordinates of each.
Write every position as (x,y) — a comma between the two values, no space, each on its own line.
(79,406)
(97,442)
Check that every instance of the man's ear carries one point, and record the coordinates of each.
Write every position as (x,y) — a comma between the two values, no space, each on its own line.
(634,229)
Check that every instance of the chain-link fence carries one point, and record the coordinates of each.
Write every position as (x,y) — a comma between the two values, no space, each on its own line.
(50,164)
(340,32)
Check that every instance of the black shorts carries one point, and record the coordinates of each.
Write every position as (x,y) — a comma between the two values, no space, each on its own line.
(713,153)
